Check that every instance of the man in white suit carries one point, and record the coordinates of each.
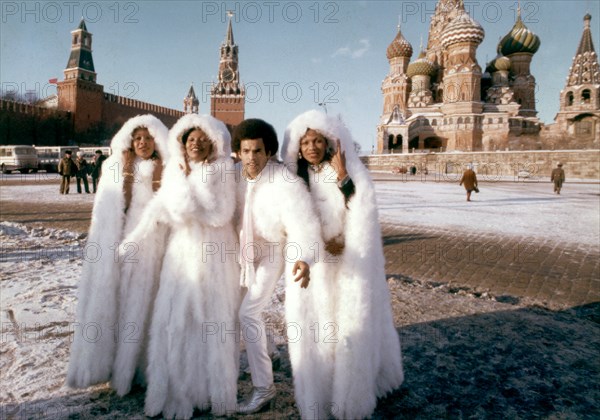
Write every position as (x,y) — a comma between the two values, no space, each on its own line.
(279,233)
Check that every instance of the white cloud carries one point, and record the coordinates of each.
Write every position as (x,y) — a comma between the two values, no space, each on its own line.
(362,48)
(316,60)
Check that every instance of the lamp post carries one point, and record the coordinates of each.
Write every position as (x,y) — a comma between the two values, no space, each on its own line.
(324,105)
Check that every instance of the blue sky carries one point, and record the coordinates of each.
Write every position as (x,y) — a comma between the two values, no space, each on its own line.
(293,55)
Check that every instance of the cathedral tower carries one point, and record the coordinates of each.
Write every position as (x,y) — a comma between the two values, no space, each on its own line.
(395,88)
(579,113)
(445,12)
(462,82)
(191,102)
(78,92)
(519,45)
(227,96)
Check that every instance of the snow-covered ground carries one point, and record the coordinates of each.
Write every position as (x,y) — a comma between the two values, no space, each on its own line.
(509,207)
(528,209)
(41,267)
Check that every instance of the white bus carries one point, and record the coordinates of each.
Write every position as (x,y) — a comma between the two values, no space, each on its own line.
(18,158)
(50,156)
(90,152)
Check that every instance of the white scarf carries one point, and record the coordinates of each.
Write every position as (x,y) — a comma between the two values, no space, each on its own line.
(247,254)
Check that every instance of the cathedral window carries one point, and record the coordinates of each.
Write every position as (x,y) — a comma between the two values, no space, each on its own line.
(570,99)
(460,120)
(467,120)
(585,96)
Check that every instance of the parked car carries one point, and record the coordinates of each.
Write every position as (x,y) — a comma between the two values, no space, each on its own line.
(18,158)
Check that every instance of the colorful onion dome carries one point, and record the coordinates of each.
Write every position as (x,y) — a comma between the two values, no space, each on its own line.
(421,67)
(399,47)
(462,29)
(519,40)
(499,63)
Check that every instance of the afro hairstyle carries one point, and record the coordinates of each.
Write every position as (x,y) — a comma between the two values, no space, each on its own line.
(254,128)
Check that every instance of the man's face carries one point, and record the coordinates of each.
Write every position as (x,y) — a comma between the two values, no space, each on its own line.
(254,157)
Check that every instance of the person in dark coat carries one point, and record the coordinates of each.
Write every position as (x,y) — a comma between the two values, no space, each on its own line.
(99,158)
(558,177)
(469,179)
(66,168)
(82,173)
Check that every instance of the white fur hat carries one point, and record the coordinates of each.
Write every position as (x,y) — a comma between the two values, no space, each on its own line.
(122,140)
(215,129)
(331,127)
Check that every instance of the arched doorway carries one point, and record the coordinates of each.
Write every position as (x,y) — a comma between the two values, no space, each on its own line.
(414,143)
(432,143)
(395,142)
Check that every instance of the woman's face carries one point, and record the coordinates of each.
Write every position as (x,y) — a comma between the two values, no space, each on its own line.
(143,143)
(313,147)
(198,146)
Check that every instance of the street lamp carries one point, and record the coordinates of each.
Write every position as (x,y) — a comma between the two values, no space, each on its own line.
(324,105)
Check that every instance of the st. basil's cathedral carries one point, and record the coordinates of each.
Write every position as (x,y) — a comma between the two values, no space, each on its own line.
(445,101)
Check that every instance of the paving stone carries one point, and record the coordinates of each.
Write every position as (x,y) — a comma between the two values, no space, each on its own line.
(550,273)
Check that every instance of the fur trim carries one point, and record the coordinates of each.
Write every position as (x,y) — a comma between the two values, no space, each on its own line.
(95,343)
(348,293)
(283,214)
(215,129)
(122,140)
(332,128)
(193,347)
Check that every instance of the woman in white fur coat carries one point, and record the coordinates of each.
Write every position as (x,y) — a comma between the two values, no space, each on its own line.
(193,350)
(351,354)
(116,290)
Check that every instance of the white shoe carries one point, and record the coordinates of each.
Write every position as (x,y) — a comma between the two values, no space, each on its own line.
(261,396)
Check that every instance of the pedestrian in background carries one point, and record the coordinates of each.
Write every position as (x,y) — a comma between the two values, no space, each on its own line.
(99,158)
(558,177)
(82,173)
(66,168)
(469,179)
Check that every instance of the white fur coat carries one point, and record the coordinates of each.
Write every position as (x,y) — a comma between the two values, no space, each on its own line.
(349,354)
(283,217)
(116,290)
(193,350)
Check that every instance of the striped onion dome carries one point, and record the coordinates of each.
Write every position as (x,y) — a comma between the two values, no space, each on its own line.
(519,39)
(499,63)
(462,29)
(421,67)
(399,47)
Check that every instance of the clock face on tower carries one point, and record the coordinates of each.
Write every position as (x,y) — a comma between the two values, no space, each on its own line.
(227,75)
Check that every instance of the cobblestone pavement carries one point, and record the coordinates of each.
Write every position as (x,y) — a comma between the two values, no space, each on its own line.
(551,273)
(555,274)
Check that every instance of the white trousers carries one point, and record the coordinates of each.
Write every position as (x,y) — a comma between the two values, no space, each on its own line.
(254,332)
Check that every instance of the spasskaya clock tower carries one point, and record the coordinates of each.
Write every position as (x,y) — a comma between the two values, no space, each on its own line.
(227,96)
